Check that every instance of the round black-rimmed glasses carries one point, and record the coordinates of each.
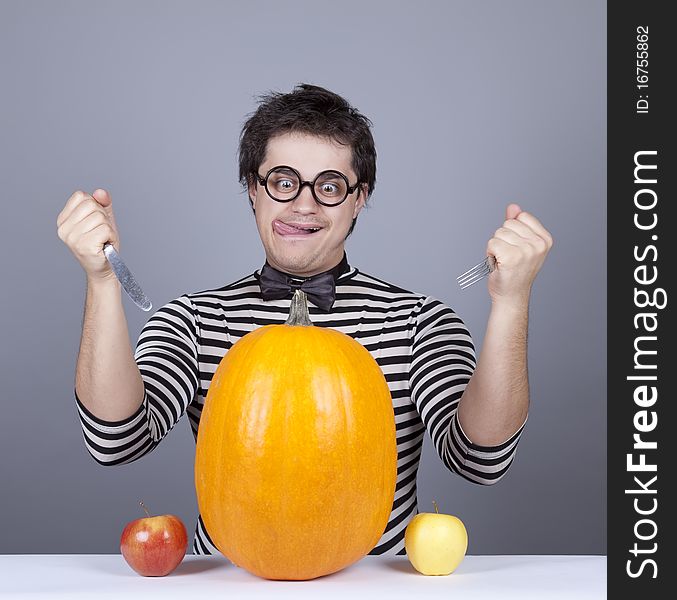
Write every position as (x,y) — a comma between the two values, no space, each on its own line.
(284,184)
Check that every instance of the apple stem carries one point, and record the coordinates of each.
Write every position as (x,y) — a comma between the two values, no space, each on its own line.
(144,508)
(435,505)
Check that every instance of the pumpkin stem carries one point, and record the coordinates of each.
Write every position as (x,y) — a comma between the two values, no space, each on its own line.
(435,505)
(298,311)
(144,508)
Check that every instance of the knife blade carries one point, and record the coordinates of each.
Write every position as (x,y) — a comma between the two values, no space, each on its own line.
(126,278)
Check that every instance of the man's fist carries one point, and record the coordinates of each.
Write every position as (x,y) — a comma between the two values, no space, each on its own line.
(520,247)
(85,224)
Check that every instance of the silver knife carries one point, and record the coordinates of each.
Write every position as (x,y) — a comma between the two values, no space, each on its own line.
(126,278)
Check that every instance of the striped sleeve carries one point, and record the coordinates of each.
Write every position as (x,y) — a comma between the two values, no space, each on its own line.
(443,360)
(166,354)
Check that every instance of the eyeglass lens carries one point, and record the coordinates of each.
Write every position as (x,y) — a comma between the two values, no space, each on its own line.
(330,186)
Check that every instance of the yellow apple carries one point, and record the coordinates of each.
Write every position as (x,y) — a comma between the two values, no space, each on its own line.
(435,543)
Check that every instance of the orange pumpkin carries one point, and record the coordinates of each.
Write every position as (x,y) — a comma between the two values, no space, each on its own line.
(296,457)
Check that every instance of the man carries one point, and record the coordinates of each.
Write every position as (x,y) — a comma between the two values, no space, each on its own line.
(308,162)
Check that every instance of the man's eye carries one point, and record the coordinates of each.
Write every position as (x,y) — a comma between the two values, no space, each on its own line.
(329,188)
(284,185)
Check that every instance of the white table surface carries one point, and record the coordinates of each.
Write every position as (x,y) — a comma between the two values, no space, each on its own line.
(387,576)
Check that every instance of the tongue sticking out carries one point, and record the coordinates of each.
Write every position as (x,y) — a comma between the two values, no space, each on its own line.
(285,229)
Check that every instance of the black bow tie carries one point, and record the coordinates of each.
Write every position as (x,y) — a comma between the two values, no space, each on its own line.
(320,288)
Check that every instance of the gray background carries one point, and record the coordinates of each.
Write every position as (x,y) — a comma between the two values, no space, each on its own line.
(474,104)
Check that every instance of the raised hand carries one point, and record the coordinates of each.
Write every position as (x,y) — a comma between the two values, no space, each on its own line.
(520,247)
(85,224)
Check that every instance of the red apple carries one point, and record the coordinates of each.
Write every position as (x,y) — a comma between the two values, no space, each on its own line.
(154,546)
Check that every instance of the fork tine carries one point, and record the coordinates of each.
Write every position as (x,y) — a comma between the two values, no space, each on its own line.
(474,274)
(474,279)
(469,283)
(472,271)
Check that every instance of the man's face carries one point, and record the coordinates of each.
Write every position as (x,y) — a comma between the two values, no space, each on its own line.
(299,253)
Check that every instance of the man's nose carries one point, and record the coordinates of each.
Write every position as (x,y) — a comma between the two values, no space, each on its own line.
(305,201)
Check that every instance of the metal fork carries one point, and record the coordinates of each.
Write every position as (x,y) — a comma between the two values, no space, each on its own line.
(479,271)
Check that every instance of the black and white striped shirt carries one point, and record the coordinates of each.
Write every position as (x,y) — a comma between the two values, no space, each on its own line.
(423,348)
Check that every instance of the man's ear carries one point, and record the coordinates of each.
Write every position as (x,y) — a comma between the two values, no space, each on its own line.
(361,200)
(251,190)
